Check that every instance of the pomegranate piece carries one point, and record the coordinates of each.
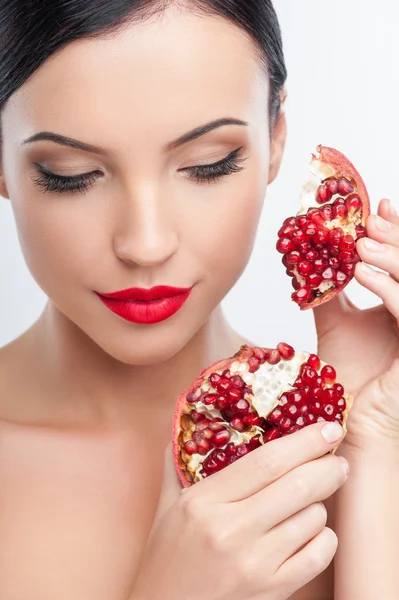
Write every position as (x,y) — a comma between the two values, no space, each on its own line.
(319,244)
(209,436)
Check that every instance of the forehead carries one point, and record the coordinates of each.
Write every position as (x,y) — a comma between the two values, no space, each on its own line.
(179,67)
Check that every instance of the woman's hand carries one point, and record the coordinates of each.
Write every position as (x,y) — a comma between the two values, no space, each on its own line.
(254,530)
(364,344)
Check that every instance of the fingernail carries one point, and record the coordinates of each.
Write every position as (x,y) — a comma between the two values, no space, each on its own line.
(393,213)
(345,465)
(366,270)
(332,432)
(382,225)
(373,246)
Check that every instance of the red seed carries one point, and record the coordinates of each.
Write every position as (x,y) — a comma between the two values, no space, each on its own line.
(271,435)
(340,211)
(274,357)
(323,194)
(222,402)
(326,212)
(285,424)
(333,262)
(321,236)
(214,379)
(260,354)
(302,295)
(333,186)
(360,232)
(328,374)
(314,362)
(286,231)
(286,351)
(193,396)
(234,394)
(347,257)
(348,268)
(238,424)
(298,237)
(308,375)
(314,216)
(345,187)
(223,386)
(221,438)
(190,447)
(314,280)
(338,389)
(209,398)
(302,221)
(336,236)
(203,447)
(305,268)
(252,420)
(329,274)
(353,203)
(275,416)
(320,265)
(347,244)
(312,255)
(237,382)
(293,258)
(241,406)
(253,364)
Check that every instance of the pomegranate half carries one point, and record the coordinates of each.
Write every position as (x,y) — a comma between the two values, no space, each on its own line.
(319,244)
(243,402)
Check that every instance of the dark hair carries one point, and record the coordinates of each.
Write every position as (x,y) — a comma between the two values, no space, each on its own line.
(31,31)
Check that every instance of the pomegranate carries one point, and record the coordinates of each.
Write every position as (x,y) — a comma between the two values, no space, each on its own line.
(319,244)
(243,402)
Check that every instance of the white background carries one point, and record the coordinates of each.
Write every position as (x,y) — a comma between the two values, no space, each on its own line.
(343,60)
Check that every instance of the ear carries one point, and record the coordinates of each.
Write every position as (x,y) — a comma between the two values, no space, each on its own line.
(3,187)
(278,138)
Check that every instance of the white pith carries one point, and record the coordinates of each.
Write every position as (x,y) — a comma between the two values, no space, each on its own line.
(268,384)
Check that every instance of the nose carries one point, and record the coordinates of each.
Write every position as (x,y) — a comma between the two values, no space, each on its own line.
(145,233)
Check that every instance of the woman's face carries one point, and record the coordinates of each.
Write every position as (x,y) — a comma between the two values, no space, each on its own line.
(144,220)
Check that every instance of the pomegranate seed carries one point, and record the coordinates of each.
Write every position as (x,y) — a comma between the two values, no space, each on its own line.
(220,457)
(286,351)
(253,364)
(295,398)
(293,258)
(305,392)
(283,401)
(312,255)
(238,424)
(315,408)
(360,232)
(221,402)
(230,450)
(341,278)
(291,411)
(203,424)
(221,438)
(315,217)
(348,269)
(302,221)
(347,244)
(241,406)
(338,389)
(333,186)
(226,374)
(345,187)
(190,447)
(347,257)
(271,435)
(237,382)
(340,211)
(234,394)
(317,393)
(314,362)
(310,229)
(214,379)
(275,416)
(203,447)
(333,262)
(329,412)
(320,265)
(302,295)
(300,421)
(252,420)
(314,281)
(242,450)
(274,357)
(217,424)
(308,376)
(193,396)
(223,386)
(290,221)
(209,398)
(323,194)
(255,443)
(336,236)
(196,416)
(328,374)
(207,434)
(285,423)
(305,268)
(329,274)
(286,231)
(321,235)
(353,203)
(304,247)
(328,396)
(260,354)
(297,285)
(298,382)
(341,404)
(326,213)
(309,419)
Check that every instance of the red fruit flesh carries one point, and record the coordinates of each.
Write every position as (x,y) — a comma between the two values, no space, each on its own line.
(266,394)
(319,244)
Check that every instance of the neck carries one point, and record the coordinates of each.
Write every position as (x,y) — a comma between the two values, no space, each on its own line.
(93,383)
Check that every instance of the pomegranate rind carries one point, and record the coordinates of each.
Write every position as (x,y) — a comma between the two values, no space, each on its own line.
(242,355)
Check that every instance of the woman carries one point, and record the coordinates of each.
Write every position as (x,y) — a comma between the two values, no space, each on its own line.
(115,118)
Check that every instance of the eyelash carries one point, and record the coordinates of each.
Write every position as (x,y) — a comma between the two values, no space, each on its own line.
(62,184)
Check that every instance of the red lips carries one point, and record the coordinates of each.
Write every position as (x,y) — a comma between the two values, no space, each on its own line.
(139,305)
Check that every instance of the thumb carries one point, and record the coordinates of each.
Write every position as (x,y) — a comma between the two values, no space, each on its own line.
(171,486)
(328,315)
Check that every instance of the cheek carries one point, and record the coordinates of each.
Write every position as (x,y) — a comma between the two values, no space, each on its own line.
(61,240)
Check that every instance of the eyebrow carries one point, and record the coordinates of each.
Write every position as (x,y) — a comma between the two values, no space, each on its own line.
(184,139)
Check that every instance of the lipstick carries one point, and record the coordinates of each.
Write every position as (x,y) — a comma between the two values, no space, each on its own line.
(146,306)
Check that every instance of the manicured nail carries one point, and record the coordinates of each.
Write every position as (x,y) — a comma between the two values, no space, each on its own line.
(366,270)
(382,225)
(393,213)
(373,246)
(345,465)
(332,432)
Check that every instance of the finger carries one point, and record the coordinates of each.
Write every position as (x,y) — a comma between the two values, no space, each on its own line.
(309,483)
(382,256)
(263,466)
(380,284)
(171,486)
(381,230)
(309,562)
(387,211)
(294,533)
(330,313)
